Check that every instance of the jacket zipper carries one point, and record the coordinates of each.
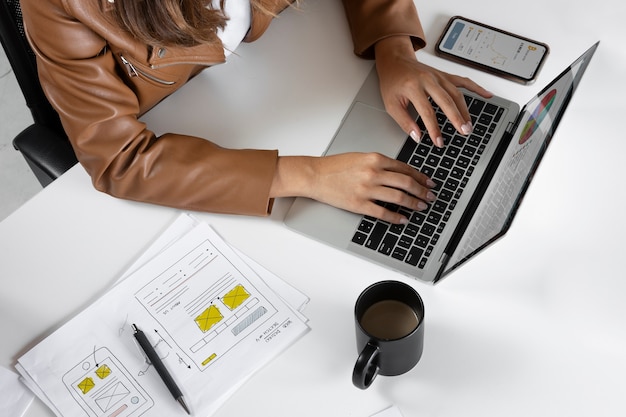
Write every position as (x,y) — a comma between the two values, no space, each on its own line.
(135,72)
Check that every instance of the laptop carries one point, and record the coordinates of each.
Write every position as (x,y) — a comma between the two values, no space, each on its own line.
(481,179)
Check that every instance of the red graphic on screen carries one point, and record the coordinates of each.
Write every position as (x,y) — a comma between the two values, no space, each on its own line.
(536,118)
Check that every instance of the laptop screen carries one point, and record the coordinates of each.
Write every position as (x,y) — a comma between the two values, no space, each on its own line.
(503,194)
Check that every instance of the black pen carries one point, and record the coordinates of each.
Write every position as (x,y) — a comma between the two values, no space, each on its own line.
(155,361)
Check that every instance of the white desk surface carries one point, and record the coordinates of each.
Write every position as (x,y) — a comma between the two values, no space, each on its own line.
(534,326)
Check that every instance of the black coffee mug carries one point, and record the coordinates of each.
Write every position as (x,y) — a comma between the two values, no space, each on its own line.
(389,321)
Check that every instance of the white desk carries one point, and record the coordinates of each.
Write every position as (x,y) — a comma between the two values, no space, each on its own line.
(533,326)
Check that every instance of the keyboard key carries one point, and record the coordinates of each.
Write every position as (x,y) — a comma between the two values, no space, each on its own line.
(485,119)
(366,226)
(399,253)
(405,241)
(441,174)
(428,171)
(457,173)
(447,162)
(474,140)
(407,150)
(499,114)
(445,195)
(468,151)
(480,130)
(439,206)
(428,229)
(452,151)
(448,129)
(396,229)
(416,161)
(491,108)
(476,107)
(422,241)
(457,141)
(433,217)
(439,151)
(432,160)
(359,238)
(411,229)
(376,236)
(463,162)
(451,184)
(388,243)
(414,256)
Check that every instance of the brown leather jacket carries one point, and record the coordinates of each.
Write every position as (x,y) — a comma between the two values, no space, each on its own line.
(101,80)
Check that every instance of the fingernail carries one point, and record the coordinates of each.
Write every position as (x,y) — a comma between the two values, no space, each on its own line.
(467,128)
(422,206)
(430,196)
(439,142)
(404,220)
(430,183)
(414,135)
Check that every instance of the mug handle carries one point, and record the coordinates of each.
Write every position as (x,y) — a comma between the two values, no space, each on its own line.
(366,367)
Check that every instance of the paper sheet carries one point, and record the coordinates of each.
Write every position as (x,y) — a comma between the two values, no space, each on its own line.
(211,317)
(15,397)
(185,223)
(392,411)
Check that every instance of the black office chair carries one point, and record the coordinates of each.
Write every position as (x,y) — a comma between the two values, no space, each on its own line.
(44,144)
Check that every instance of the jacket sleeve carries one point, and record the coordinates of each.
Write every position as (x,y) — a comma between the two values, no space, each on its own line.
(100,115)
(373,20)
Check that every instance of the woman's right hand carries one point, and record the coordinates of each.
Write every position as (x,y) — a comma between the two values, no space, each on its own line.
(354,182)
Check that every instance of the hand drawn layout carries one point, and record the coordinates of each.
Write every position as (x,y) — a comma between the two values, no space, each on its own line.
(212,319)
(103,387)
(205,311)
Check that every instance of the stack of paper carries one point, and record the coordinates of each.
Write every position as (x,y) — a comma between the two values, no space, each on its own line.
(213,316)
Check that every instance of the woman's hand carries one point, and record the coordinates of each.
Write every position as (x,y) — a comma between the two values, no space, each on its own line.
(404,80)
(354,181)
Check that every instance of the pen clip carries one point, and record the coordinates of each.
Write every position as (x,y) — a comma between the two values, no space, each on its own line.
(143,353)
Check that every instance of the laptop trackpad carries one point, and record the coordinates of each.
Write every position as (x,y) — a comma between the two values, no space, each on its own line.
(365,129)
(368,129)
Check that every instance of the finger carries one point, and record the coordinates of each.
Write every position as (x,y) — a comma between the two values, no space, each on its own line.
(470,85)
(398,111)
(403,169)
(425,109)
(452,102)
(458,113)
(397,217)
(384,214)
(403,190)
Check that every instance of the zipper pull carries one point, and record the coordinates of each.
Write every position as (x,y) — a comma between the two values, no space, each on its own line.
(132,72)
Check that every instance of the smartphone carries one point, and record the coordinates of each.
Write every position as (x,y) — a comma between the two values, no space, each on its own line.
(493,50)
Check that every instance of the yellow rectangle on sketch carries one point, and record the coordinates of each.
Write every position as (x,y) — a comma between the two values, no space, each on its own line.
(209,318)
(86,385)
(235,297)
(103,371)
(209,359)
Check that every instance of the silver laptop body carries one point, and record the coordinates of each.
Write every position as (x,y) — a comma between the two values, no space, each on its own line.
(481,213)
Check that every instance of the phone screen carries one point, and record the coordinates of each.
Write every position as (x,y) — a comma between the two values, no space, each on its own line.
(492,48)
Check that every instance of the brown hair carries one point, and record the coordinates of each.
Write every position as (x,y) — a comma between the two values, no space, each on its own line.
(173,22)
(169,22)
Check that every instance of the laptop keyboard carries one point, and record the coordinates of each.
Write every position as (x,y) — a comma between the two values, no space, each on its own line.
(450,168)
